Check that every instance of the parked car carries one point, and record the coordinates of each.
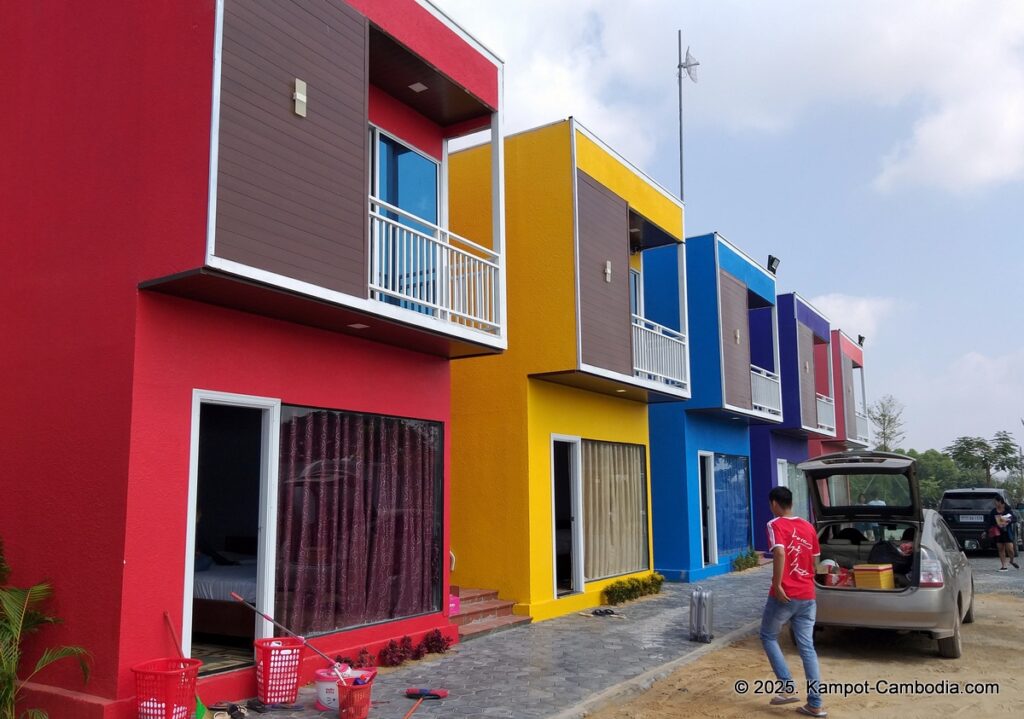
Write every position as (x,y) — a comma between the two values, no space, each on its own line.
(867,510)
(966,512)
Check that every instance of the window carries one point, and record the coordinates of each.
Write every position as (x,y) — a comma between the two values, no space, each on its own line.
(636,293)
(359,519)
(614,509)
(404,178)
(732,504)
(793,478)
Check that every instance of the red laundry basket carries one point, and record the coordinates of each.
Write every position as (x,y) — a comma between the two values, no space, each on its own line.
(166,688)
(277,669)
(354,699)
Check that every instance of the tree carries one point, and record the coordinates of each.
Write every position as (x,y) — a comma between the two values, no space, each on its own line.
(983,457)
(973,454)
(887,416)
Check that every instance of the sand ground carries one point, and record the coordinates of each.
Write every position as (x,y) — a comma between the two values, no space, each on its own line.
(993,651)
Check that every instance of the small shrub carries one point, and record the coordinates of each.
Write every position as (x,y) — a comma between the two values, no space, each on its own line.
(392,655)
(419,651)
(746,560)
(436,643)
(364,660)
(626,590)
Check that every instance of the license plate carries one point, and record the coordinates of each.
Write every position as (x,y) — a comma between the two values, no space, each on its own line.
(972,517)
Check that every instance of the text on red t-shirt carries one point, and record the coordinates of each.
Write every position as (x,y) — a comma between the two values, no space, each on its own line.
(799,542)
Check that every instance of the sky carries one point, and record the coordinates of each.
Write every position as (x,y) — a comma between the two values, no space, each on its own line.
(876,148)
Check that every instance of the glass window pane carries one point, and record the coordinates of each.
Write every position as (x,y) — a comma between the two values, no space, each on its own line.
(732,504)
(359,519)
(408,180)
(614,509)
(798,486)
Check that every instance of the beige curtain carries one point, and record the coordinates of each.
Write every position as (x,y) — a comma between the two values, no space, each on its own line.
(614,509)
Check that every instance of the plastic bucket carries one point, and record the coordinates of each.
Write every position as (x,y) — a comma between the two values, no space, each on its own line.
(277,669)
(166,688)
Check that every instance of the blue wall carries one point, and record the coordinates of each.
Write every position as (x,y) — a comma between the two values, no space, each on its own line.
(662,277)
(758,280)
(702,314)
(676,436)
(792,311)
(766,448)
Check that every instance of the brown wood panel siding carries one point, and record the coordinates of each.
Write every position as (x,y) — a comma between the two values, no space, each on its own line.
(735,341)
(808,397)
(605,322)
(292,191)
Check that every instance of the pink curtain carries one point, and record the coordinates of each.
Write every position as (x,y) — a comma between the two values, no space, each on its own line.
(358,519)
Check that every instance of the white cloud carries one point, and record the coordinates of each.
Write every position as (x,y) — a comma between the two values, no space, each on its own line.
(976,394)
(958,65)
(855,315)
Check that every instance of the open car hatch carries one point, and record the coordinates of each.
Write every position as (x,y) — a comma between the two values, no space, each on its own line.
(878,486)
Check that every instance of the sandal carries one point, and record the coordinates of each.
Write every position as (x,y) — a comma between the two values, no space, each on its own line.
(237,711)
(780,699)
(812,711)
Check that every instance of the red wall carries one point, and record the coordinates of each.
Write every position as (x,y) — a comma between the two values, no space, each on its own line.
(183,345)
(841,345)
(405,123)
(428,37)
(103,158)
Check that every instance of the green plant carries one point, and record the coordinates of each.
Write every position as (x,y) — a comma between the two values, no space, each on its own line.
(625,590)
(21,614)
(746,560)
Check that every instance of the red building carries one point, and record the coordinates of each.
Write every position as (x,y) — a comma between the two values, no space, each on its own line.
(851,420)
(231,299)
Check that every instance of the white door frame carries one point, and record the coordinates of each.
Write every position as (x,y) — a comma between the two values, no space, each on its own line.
(267,539)
(712,529)
(576,486)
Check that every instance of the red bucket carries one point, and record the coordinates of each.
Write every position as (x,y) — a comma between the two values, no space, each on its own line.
(277,669)
(354,699)
(166,688)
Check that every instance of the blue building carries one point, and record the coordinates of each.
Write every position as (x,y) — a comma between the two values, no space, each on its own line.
(700,449)
(808,406)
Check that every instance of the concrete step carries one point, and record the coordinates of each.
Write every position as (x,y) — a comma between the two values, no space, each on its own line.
(466,594)
(482,609)
(483,627)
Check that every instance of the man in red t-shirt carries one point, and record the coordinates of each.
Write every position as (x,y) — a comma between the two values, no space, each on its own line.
(794,546)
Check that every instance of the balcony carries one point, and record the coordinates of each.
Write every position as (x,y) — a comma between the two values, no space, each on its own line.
(419,266)
(862,427)
(766,391)
(659,354)
(826,413)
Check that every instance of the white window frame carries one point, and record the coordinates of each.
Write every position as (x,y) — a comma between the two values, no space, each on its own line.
(267,533)
(576,486)
(639,275)
(712,528)
(782,468)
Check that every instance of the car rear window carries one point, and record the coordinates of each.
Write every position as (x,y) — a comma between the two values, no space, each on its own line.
(849,490)
(971,502)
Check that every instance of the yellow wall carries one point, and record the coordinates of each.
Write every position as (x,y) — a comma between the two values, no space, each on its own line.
(502,421)
(630,186)
(556,409)
(489,412)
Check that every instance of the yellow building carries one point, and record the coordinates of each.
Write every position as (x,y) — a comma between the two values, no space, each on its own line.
(550,462)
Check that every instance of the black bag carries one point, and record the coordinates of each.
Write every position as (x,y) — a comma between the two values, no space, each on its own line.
(701,619)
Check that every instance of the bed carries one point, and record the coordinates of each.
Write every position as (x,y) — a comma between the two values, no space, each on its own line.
(213,609)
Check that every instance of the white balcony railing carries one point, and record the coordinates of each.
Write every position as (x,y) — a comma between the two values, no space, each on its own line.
(826,413)
(862,427)
(766,391)
(422,267)
(659,353)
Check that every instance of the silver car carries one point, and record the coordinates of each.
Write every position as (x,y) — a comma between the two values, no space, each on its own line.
(867,509)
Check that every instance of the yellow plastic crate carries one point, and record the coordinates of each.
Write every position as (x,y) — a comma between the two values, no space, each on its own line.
(873,576)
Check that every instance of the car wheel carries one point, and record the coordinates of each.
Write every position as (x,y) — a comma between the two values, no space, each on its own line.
(969,617)
(950,647)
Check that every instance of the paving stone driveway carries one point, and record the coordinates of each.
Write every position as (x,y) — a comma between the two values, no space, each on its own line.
(541,669)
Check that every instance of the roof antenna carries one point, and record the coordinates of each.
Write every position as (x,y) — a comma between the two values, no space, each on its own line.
(689,66)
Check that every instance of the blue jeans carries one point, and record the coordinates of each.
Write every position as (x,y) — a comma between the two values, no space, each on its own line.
(800,614)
